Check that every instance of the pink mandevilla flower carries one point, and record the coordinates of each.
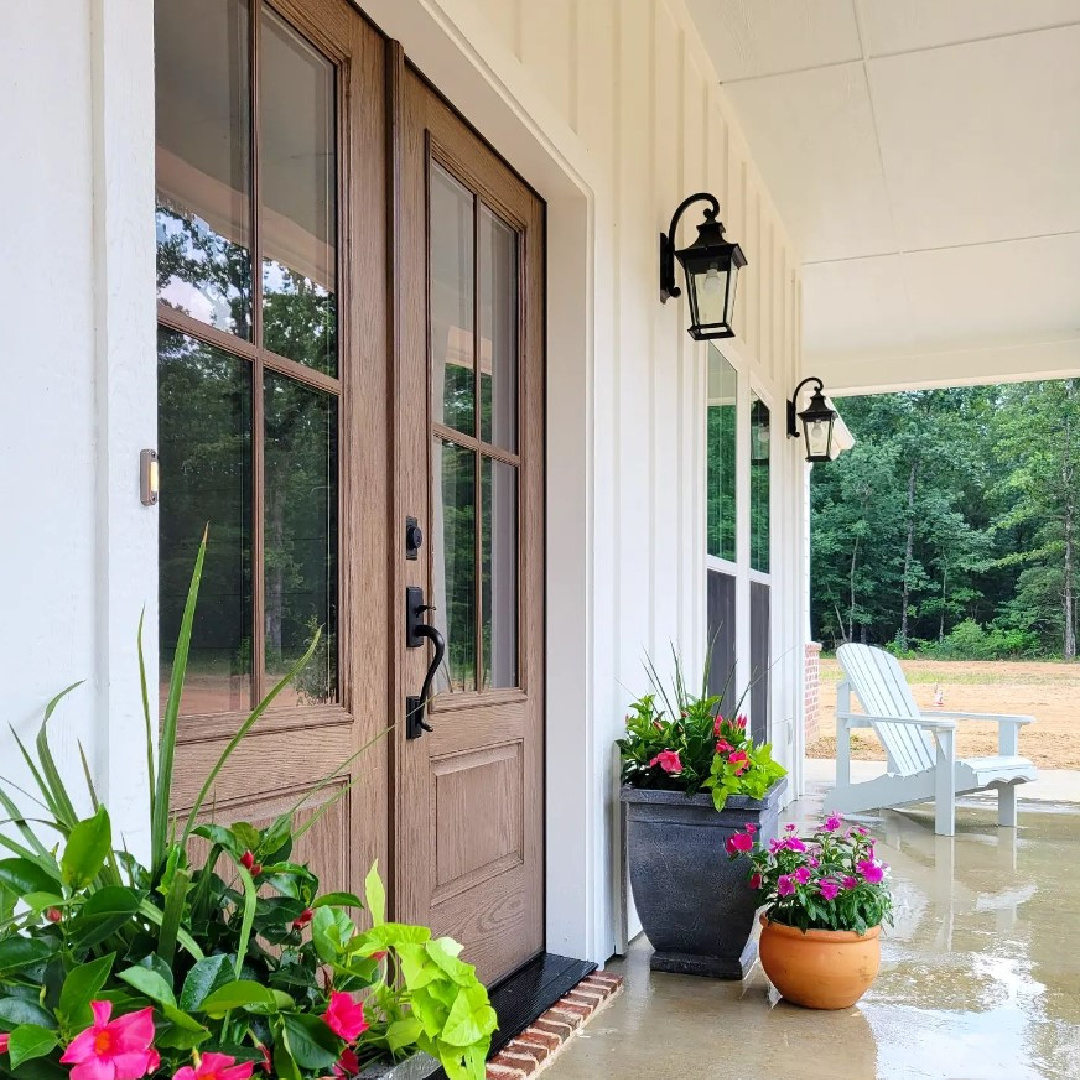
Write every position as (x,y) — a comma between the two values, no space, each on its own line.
(741,722)
(347,1065)
(120,1049)
(718,726)
(345,1017)
(802,875)
(741,762)
(5,1038)
(785,886)
(871,871)
(724,747)
(828,889)
(216,1067)
(668,760)
(751,828)
(849,882)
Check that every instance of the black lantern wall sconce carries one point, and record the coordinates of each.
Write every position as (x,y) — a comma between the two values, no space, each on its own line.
(817,420)
(711,266)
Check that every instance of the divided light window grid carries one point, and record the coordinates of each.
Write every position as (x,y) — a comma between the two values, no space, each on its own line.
(249,386)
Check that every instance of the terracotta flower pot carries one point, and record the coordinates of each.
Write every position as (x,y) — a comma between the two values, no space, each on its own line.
(819,969)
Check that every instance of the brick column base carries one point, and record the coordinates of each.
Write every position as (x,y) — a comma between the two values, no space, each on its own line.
(813,691)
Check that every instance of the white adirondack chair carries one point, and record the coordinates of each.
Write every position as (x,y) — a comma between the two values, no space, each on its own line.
(920,767)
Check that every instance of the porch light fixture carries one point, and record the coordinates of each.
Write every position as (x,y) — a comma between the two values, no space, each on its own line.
(759,433)
(817,420)
(711,266)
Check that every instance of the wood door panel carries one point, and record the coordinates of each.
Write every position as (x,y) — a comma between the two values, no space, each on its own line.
(325,847)
(484,789)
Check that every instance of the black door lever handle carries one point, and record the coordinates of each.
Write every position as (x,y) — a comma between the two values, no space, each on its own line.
(416,633)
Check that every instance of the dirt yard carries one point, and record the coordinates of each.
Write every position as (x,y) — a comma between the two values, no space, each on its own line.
(1048,691)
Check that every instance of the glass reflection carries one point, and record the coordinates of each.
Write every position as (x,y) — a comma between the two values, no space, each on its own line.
(453,564)
(720,456)
(498,331)
(301,537)
(204,439)
(759,484)
(452,282)
(298,190)
(203,168)
(500,569)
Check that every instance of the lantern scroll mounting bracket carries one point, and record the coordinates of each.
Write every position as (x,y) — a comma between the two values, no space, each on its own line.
(668,287)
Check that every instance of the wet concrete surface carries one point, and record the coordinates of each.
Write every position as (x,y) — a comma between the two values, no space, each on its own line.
(980,976)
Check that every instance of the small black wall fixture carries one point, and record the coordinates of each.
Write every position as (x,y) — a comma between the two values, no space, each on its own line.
(711,266)
(817,420)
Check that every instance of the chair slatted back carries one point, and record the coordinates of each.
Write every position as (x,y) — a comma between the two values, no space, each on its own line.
(877,679)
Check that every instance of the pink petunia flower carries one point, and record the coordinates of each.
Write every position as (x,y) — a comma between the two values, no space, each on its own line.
(802,875)
(120,1049)
(793,843)
(755,880)
(848,882)
(785,886)
(668,760)
(872,871)
(833,822)
(216,1067)
(828,889)
(739,841)
(790,827)
(814,862)
(345,1017)
(775,846)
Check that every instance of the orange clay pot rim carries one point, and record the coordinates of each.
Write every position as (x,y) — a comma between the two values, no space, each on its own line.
(820,935)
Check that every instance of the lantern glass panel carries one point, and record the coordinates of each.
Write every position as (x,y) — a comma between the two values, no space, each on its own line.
(712,295)
(818,439)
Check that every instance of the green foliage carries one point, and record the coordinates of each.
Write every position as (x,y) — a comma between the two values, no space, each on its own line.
(677,741)
(950,530)
(234,953)
(830,881)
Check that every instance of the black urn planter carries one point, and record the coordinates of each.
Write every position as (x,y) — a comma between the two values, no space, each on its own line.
(693,900)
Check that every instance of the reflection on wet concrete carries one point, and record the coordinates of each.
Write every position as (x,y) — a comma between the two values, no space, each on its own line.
(980,977)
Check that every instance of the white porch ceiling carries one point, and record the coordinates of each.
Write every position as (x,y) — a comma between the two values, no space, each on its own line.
(925,156)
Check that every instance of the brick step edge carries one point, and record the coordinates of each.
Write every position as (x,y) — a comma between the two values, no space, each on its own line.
(539,1044)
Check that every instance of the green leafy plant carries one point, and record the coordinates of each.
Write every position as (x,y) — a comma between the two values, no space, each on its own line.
(832,880)
(214,965)
(678,741)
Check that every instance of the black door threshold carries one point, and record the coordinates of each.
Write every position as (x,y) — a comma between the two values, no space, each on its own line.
(528,993)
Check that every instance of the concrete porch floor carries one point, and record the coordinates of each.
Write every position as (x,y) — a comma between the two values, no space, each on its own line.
(980,976)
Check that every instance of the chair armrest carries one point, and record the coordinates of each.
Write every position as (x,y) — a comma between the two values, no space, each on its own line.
(864,720)
(1017,721)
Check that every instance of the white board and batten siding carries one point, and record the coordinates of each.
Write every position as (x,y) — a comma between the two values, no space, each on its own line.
(612,110)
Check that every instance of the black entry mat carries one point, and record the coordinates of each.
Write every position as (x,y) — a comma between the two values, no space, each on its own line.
(522,997)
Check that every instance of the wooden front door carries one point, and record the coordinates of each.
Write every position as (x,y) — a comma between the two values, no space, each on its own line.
(469,448)
(350,334)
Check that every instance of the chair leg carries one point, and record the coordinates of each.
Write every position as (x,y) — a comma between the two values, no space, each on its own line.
(945,785)
(1007,806)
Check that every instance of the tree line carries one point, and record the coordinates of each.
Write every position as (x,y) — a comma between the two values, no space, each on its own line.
(950,529)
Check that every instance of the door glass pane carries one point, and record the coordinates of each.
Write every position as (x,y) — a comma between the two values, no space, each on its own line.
(453,561)
(498,331)
(301,537)
(298,191)
(720,451)
(204,439)
(203,160)
(453,401)
(500,566)
(759,484)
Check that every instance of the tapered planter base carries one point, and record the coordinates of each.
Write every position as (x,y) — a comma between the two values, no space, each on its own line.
(694,902)
(712,967)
